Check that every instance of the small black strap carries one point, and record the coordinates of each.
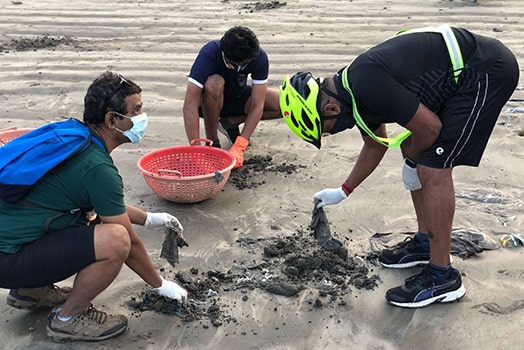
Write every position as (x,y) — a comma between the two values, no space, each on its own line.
(76,212)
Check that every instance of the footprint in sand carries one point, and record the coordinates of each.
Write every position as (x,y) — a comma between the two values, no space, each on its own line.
(494,308)
(516,274)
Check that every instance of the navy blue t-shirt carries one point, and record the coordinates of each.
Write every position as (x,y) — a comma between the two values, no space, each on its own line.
(209,61)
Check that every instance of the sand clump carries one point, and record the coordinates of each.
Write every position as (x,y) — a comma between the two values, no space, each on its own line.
(283,265)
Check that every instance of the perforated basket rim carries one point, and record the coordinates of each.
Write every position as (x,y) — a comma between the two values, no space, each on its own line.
(145,172)
(12,133)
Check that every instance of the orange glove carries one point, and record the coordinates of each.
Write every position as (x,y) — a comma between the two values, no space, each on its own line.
(238,149)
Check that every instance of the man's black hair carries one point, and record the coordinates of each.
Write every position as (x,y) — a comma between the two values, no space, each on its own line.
(107,93)
(239,44)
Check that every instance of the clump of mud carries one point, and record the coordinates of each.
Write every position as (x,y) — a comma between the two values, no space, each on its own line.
(248,177)
(284,265)
(40,42)
(263,5)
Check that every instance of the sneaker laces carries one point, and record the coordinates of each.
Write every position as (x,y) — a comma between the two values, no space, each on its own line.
(419,279)
(407,243)
(95,315)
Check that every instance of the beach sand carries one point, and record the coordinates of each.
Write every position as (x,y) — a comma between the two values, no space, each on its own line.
(154,43)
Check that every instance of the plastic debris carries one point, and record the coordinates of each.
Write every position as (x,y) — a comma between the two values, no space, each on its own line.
(515,110)
(210,293)
(511,240)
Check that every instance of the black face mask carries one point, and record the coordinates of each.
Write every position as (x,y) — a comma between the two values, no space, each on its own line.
(344,120)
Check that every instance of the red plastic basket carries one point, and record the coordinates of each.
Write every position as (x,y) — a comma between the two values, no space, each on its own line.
(187,174)
(8,134)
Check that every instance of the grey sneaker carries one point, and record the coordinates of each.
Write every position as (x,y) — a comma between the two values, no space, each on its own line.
(42,297)
(91,325)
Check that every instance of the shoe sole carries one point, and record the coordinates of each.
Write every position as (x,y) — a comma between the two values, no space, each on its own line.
(21,304)
(58,337)
(410,264)
(448,297)
(27,305)
(405,265)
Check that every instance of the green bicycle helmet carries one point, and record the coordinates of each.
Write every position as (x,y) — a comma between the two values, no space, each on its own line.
(299,106)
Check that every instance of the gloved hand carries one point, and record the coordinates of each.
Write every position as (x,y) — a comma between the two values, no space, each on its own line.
(157,221)
(238,149)
(410,176)
(171,290)
(329,196)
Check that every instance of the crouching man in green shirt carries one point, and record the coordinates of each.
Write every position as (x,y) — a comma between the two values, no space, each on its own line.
(40,246)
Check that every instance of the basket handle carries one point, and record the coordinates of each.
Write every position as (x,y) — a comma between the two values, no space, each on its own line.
(8,129)
(169,172)
(218,177)
(208,142)
(5,141)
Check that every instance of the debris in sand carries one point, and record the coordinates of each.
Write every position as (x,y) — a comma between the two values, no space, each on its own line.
(173,240)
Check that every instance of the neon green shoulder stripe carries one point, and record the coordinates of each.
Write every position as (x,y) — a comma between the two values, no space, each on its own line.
(385,141)
(455,56)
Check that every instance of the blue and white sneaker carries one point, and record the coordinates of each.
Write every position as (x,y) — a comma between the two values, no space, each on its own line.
(408,253)
(425,289)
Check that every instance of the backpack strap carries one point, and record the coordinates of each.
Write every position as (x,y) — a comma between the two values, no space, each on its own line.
(76,212)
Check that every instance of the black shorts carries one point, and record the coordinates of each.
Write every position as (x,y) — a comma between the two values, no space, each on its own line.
(233,107)
(49,259)
(469,116)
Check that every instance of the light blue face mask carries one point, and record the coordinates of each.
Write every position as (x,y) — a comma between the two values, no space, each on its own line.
(138,129)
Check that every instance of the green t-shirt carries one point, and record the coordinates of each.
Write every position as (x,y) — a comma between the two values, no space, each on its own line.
(88,180)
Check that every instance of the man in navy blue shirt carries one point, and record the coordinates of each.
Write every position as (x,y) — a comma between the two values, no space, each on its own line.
(217,90)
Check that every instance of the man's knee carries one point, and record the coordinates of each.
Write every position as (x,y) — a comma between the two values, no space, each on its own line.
(434,176)
(272,102)
(112,240)
(214,85)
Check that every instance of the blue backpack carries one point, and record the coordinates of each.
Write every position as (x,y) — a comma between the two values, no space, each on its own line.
(27,158)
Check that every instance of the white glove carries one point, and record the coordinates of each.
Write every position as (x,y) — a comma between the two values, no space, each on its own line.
(410,175)
(156,221)
(329,196)
(171,290)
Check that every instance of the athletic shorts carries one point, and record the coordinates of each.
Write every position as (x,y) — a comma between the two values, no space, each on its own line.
(49,259)
(469,116)
(233,107)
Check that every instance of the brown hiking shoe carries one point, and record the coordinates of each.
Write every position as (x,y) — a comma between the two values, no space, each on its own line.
(42,297)
(91,325)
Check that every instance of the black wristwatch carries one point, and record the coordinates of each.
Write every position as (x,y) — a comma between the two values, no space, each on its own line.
(411,163)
